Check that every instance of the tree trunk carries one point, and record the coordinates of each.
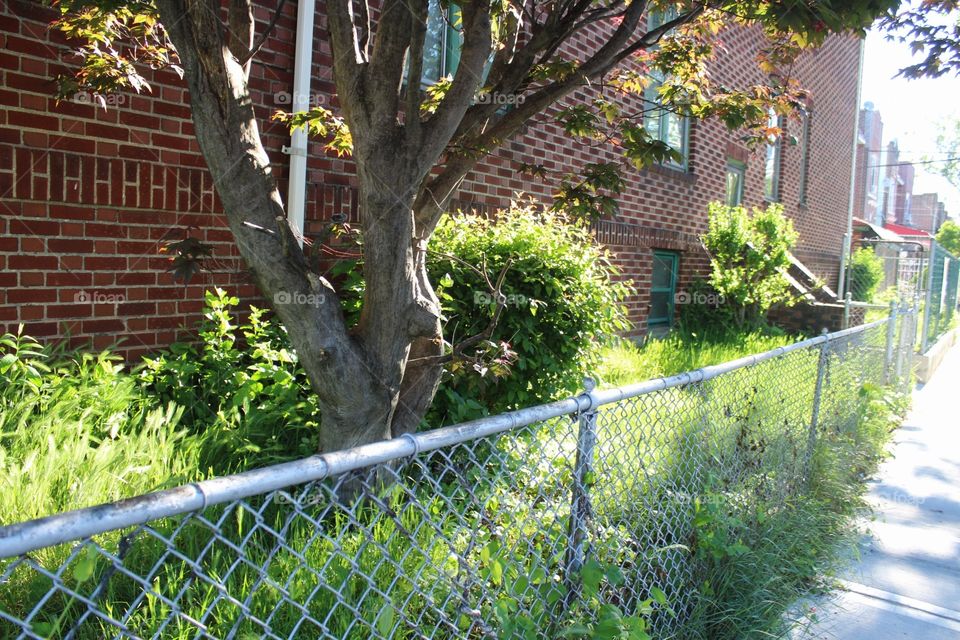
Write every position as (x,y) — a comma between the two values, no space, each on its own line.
(360,377)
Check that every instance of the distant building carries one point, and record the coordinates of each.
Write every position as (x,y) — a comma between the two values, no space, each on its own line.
(870,155)
(891,186)
(928,213)
(904,199)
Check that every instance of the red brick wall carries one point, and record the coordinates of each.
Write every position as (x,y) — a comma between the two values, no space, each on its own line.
(87,195)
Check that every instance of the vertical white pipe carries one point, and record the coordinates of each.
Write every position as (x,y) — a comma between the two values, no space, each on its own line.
(845,250)
(303,61)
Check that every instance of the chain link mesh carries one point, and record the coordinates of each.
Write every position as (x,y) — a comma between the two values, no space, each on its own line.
(474,540)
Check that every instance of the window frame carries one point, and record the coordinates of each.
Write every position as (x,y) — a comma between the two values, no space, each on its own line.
(652,97)
(739,168)
(435,12)
(674,258)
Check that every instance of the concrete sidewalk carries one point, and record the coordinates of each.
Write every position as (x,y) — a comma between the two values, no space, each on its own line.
(906,583)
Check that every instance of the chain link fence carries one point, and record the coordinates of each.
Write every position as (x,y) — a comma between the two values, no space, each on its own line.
(879,273)
(940,301)
(509,526)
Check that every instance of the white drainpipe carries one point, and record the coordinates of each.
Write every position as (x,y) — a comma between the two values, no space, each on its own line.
(303,60)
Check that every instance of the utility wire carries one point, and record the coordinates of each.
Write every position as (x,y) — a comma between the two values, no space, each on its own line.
(900,164)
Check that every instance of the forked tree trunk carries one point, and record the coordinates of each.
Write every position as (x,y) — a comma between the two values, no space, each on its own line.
(365,387)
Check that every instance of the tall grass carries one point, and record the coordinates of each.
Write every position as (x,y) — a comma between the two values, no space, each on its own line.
(75,431)
(625,362)
(466,526)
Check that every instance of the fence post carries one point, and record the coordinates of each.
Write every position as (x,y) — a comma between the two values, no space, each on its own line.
(902,344)
(847,299)
(928,298)
(580,508)
(844,260)
(891,335)
(817,396)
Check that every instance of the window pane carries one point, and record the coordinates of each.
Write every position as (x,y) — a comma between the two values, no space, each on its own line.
(771,172)
(674,131)
(433,44)
(662,272)
(454,42)
(734,186)
(660,306)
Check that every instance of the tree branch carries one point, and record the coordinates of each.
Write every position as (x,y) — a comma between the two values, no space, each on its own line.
(266,33)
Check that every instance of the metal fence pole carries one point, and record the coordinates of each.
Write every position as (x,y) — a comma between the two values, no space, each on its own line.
(847,299)
(928,299)
(817,396)
(902,344)
(844,260)
(891,335)
(580,508)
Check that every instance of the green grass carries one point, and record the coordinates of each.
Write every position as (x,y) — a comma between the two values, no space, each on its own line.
(625,363)
(721,462)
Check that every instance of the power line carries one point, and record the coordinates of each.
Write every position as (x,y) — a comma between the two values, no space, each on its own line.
(902,163)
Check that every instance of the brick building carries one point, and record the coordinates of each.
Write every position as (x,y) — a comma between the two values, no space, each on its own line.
(869,177)
(928,213)
(88,195)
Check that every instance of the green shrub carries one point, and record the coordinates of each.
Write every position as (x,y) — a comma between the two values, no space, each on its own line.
(749,255)
(949,237)
(866,274)
(561,301)
(251,402)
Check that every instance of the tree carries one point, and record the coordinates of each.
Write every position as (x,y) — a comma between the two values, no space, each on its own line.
(949,237)
(932,28)
(749,258)
(413,148)
(947,161)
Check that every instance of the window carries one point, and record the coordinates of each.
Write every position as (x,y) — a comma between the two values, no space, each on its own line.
(442,43)
(805,157)
(663,288)
(735,175)
(771,167)
(663,125)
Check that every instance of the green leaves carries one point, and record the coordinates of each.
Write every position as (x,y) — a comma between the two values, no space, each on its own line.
(113,41)
(749,255)
(86,564)
(322,123)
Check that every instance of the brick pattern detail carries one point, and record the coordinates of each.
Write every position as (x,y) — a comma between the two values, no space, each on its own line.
(87,195)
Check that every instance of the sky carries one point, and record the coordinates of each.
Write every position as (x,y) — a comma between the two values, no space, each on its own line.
(910,109)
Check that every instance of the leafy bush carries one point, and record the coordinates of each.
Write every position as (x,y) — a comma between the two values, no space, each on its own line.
(749,255)
(249,401)
(949,237)
(866,274)
(560,295)
(561,299)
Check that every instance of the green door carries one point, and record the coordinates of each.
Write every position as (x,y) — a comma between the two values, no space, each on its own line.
(663,288)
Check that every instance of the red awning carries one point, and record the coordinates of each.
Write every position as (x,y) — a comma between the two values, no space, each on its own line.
(904,230)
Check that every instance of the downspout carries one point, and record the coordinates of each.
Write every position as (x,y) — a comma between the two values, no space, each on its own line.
(848,236)
(300,101)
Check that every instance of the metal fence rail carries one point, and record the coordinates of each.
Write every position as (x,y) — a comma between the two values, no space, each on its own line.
(497,526)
